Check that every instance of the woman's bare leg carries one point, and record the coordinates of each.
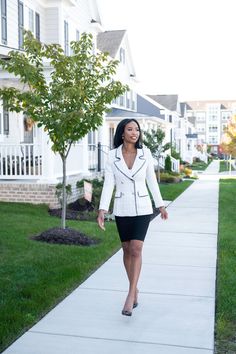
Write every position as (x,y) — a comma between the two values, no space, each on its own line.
(132,262)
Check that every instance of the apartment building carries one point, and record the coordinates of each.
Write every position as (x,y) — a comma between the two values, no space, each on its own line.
(211,118)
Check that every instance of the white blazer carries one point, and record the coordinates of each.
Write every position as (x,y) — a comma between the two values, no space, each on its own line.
(131,194)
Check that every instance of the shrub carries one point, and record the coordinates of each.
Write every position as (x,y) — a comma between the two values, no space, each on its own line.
(175,154)
(169,178)
(168,163)
(187,171)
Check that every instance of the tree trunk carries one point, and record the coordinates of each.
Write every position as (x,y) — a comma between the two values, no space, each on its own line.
(64,196)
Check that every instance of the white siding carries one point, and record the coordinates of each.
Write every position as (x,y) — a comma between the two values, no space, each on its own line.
(52,25)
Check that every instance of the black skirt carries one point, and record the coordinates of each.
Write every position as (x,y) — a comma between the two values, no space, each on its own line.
(132,227)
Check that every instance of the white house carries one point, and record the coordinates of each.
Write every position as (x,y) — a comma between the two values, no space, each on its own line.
(26,158)
(29,170)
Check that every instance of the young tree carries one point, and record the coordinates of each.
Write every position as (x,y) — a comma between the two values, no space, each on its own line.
(154,141)
(228,143)
(72,102)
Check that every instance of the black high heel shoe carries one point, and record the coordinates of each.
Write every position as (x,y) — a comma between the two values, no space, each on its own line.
(135,305)
(126,313)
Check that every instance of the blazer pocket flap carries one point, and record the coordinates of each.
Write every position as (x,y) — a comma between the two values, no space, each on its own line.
(142,194)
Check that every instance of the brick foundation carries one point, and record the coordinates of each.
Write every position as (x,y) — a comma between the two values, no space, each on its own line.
(34,193)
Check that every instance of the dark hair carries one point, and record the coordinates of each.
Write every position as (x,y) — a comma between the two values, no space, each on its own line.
(120,131)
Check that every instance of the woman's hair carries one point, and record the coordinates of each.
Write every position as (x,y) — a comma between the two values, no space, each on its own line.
(120,131)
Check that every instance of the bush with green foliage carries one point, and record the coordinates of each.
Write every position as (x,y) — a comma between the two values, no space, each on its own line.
(169,178)
(168,163)
(175,154)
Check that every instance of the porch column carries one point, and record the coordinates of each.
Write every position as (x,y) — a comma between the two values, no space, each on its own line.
(48,160)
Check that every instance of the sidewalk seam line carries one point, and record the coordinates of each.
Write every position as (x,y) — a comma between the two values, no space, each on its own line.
(175,265)
(150,293)
(120,340)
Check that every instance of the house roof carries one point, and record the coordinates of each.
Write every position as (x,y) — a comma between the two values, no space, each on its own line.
(192,120)
(168,101)
(110,41)
(146,107)
(123,113)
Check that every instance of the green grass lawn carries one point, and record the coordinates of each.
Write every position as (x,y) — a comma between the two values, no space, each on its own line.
(171,191)
(35,276)
(224,166)
(200,166)
(226,277)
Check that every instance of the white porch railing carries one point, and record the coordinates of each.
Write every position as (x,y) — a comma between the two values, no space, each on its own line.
(174,163)
(97,156)
(22,161)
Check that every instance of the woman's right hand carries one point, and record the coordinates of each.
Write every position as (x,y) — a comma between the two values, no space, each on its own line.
(100,219)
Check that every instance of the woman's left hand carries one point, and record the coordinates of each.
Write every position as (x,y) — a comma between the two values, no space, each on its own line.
(164,214)
(100,219)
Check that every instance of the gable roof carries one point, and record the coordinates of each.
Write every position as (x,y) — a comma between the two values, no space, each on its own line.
(123,113)
(145,106)
(168,101)
(110,41)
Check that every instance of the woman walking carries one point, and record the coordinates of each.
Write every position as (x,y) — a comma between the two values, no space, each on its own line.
(129,168)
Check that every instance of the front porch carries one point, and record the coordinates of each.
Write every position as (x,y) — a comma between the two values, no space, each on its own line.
(29,173)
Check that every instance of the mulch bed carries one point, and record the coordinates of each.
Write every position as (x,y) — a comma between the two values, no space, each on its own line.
(68,236)
(79,210)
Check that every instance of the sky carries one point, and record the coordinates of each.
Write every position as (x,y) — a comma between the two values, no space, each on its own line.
(184,47)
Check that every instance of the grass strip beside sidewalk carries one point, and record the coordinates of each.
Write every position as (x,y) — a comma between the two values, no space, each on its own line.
(170,191)
(226,276)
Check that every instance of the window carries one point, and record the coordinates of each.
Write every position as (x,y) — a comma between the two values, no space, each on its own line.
(224,126)
(225,115)
(31,20)
(200,116)
(122,55)
(20,24)
(213,140)
(133,100)
(92,138)
(5,120)
(200,129)
(37,26)
(77,35)
(4,21)
(213,128)
(127,99)
(121,100)
(66,38)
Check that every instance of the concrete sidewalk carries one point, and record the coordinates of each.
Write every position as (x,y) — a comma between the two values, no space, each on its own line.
(177,291)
